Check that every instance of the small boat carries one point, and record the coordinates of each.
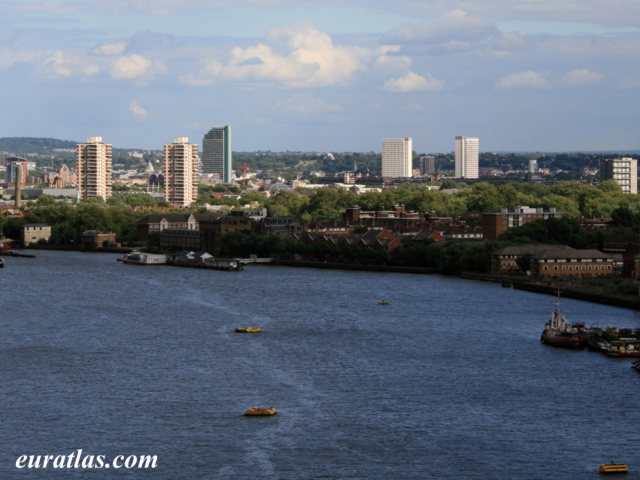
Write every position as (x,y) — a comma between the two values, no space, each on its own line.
(624,348)
(613,468)
(559,333)
(248,330)
(1,262)
(382,302)
(260,412)
(636,366)
(140,258)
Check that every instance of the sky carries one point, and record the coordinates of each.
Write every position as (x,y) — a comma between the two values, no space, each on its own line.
(324,75)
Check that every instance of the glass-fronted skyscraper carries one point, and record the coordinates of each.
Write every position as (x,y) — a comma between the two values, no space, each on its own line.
(216,152)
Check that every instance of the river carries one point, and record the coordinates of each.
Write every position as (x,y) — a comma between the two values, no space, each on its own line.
(448,381)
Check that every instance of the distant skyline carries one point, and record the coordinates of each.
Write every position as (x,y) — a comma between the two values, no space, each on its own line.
(324,75)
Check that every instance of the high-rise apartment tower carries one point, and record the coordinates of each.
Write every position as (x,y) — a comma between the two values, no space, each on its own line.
(94,169)
(180,172)
(427,164)
(216,152)
(397,157)
(622,170)
(466,154)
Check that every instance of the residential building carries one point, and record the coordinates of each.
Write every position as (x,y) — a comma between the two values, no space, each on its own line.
(397,157)
(427,164)
(216,153)
(180,239)
(158,222)
(623,170)
(94,168)
(466,157)
(550,262)
(211,231)
(34,233)
(180,172)
(495,224)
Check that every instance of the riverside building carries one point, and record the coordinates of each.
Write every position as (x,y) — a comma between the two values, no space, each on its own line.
(466,153)
(181,172)
(397,157)
(94,168)
(216,152)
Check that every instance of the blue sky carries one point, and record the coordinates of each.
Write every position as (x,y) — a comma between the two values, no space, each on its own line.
(324,75)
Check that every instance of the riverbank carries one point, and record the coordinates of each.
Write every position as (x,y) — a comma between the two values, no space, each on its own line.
(566,290)
(353,266)
(519,283)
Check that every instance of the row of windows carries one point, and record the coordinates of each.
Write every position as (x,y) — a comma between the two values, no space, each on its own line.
(584,267)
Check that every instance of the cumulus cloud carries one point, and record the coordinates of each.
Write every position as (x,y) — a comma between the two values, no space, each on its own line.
(109,49)
(412,82)
(383,59)
(528,79)
(582,78)
(64,65)
(455,31)
(135,67)
(137,110)
(308,58)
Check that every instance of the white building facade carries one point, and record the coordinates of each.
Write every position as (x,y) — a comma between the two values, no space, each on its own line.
(623,170)
(467,154)
(94,168)
(397,157)
(181,172)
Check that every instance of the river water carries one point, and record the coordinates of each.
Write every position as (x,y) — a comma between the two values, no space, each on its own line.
(448,381)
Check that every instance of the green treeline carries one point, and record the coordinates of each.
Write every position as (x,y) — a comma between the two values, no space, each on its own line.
(575,199)
(451,256)
(326,204)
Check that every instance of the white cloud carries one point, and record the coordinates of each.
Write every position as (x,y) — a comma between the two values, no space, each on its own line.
(454,32)
(109,49)
(413,82)
(528,79)
(64,65)
(135,67)
(582,78)
(137,110)
(10,56)
(392,61)
(309,59)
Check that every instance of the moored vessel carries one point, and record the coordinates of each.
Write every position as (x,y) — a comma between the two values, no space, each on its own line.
(559,333)
(624,348)
(141,258)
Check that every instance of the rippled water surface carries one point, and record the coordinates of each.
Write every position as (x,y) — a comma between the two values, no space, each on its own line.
(448,381)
